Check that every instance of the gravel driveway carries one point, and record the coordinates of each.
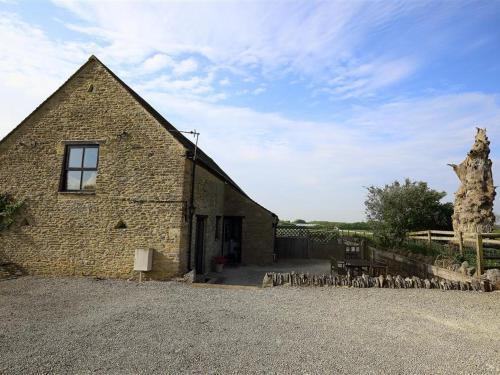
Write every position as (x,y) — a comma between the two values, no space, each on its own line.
(89,326)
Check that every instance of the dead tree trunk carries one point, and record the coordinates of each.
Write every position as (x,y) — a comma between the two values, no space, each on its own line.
(473,210)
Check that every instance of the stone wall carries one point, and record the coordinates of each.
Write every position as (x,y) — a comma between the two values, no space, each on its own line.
(272,279)
(258,232)
(213,197)
(140,182)
(143,182)
(209,202)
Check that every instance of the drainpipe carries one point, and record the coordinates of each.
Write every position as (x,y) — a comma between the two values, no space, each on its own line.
(191,198)
(191,202)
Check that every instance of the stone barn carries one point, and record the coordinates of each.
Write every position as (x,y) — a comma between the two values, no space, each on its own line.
(103,174)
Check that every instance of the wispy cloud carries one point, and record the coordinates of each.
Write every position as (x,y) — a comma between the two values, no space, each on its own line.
(243,73)
(367,79)
(323,166)
(317,39)
(32,66)
(157,62)
(186,66)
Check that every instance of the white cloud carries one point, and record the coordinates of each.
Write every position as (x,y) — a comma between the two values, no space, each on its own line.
(317,39)
(316,169)
(31,61)
(185,66)
(368,78)
(195,87)
(32,66)
(157,62)
(258,90)
(298,168)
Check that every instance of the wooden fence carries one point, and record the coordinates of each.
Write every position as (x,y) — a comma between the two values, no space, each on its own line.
(478,240)
(305,243)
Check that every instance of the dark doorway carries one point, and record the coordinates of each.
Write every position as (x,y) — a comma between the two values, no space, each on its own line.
(231,246)
(199,251)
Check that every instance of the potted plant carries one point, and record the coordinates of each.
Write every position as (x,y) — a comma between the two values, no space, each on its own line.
(219,263)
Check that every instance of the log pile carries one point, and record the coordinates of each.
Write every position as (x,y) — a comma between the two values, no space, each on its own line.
(272,279)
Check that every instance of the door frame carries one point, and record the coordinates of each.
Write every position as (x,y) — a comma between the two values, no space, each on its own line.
(199,246)
(223,238)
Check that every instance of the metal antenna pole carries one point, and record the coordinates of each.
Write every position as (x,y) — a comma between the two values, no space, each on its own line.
(191,207)
(191,203)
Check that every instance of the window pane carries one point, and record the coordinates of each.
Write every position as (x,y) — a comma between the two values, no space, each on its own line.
(75,157)
(73,180)
(90,158)
(88,181)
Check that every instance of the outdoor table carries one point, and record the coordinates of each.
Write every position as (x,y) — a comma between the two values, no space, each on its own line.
(365,265)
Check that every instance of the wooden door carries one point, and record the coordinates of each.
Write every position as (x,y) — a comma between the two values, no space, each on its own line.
(200,245)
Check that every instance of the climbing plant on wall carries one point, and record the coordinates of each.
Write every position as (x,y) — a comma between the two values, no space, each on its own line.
(8,209)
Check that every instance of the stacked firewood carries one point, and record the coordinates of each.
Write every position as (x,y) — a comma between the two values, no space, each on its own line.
(365,281)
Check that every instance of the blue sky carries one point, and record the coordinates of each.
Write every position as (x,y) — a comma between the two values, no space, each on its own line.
(303,103)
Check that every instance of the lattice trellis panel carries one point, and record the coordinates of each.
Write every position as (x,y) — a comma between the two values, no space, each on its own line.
(316,235)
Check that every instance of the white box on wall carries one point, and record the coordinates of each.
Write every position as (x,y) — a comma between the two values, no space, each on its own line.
(143,260)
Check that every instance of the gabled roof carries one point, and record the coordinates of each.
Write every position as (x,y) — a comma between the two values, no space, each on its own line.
(202,157)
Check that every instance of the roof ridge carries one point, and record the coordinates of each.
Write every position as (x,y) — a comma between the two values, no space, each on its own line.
(209,163)
(203,158)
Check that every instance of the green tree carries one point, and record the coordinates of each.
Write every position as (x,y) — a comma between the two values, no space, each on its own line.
(8,209)
(394,210)
(300,221)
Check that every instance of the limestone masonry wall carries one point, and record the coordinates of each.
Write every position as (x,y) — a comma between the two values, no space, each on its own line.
(143,180)
(209,202)
(258,232)
(213,197)
(140,181)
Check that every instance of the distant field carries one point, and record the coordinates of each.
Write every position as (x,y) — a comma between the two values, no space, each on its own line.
(361,226)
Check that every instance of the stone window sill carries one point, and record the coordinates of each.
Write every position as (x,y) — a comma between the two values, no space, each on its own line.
(76,192)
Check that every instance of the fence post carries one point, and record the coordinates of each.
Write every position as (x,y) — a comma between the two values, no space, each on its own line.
(479,254)
(309,245)
(461,243)
(429,239)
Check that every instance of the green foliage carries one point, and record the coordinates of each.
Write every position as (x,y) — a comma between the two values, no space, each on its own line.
(394,210)
(323,234)
(442,219)
(340,225)
(330,225)
(8,209)
(286,223)
(418,247)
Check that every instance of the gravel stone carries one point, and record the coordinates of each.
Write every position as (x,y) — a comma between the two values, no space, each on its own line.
(83,325)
